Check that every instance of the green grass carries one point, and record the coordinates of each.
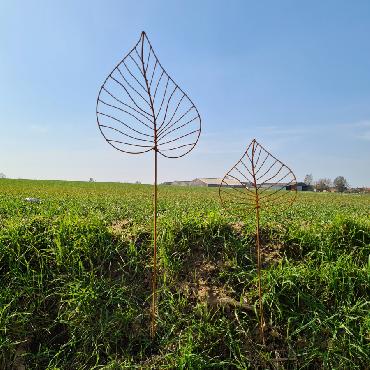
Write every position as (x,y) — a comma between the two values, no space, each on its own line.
(75,280)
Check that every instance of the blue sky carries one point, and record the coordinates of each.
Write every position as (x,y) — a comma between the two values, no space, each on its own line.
(294,75)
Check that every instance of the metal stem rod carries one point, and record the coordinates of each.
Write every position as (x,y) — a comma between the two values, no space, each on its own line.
(258,248)
(154,278)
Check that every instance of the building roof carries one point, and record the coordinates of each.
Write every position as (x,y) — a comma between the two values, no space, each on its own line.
(217,181)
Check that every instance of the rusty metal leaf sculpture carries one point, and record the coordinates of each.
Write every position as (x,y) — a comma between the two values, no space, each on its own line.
(258,181)
(140,109)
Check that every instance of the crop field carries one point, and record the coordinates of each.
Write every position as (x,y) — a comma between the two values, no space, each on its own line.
(75,274)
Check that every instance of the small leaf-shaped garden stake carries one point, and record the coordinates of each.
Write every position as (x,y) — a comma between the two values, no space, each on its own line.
(141,109)
(258,181)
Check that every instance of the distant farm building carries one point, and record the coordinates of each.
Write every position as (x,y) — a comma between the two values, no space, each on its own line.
(300,186)
(213,182)
(210,182)
(178,183)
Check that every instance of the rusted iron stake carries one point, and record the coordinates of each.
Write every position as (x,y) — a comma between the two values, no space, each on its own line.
(256,182)
(258,247)
(139,109)
(153,310)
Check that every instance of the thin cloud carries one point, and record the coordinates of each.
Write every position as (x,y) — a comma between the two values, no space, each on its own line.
(365,136)
(359,130)
(39,129)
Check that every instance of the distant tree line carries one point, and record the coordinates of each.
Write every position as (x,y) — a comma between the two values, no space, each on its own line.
(339,184)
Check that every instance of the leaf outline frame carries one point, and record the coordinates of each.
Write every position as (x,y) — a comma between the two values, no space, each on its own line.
(157,133)
(253,202)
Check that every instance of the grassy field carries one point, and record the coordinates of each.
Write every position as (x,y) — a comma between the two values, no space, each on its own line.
(75,280)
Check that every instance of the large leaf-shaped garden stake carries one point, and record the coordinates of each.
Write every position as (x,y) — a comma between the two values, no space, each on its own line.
(258,181)
(141,109)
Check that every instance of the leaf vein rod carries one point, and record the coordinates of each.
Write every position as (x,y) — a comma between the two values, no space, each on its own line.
(164,96)
(178,138)
(174,123)
(126,105)
(243,186)
(124,143)
(173,115)
(270,194)
(248,181)
(263,163)
(134,77)
(165,133)
(142,97)
(268,170)
(119,83)
(154,69)
(125,134)
(122,110)
(275,174)
(123,123)
(168,102)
